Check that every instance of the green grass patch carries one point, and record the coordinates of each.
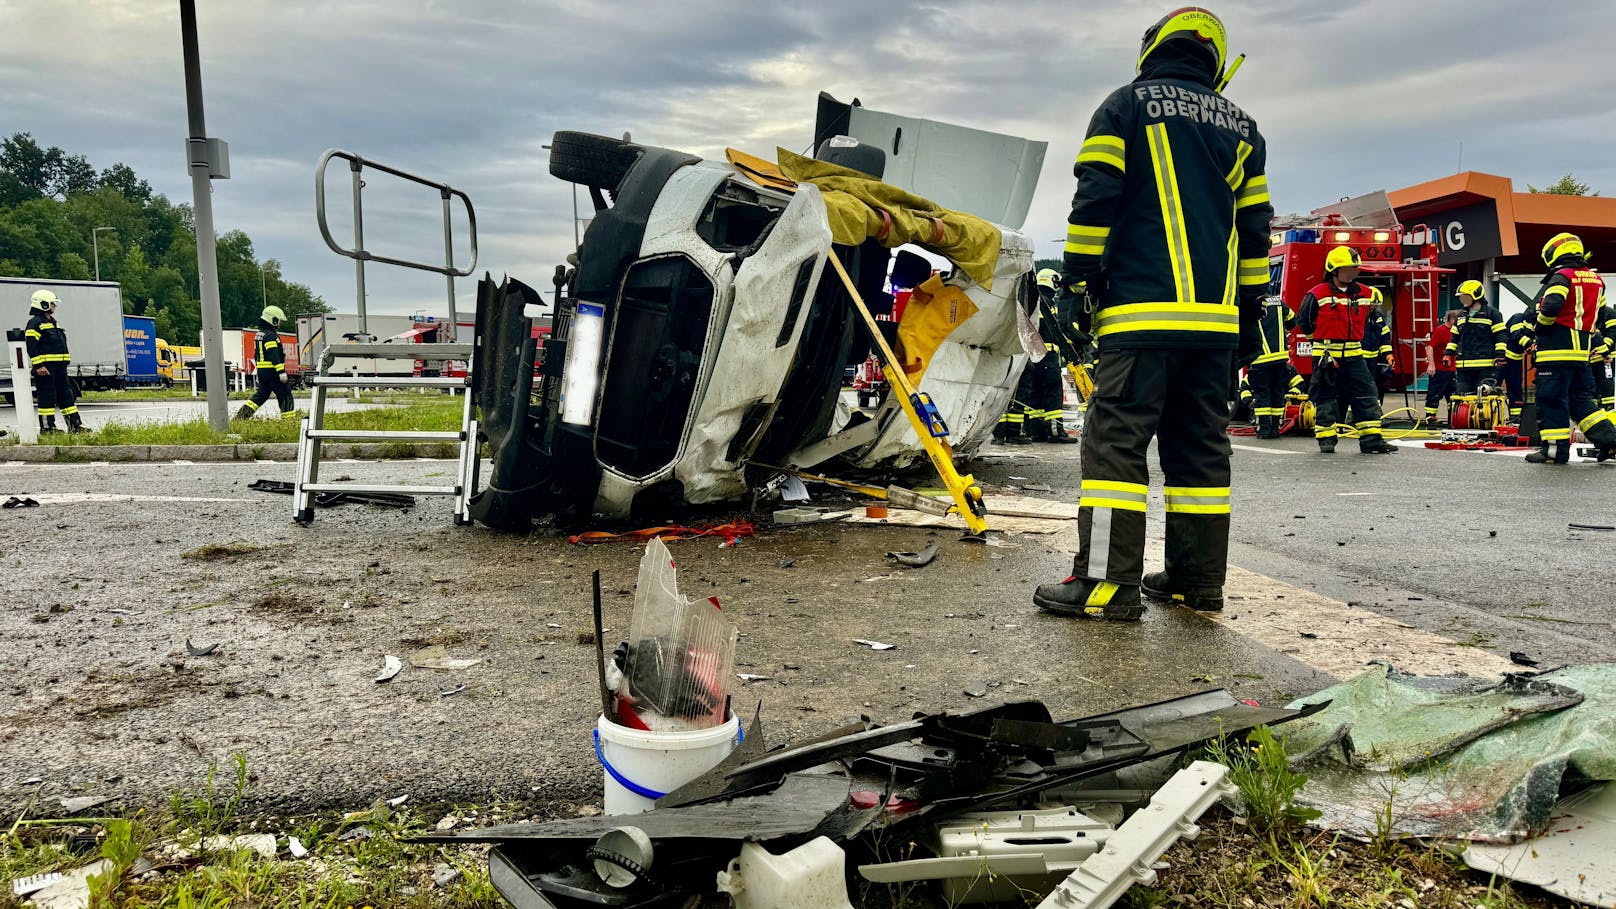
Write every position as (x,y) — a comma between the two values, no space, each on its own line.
(177,393)
(427,416)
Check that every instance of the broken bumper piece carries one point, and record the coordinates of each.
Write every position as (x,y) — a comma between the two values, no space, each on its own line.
(930,769)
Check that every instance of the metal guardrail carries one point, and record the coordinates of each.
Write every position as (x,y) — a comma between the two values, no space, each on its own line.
(357,164)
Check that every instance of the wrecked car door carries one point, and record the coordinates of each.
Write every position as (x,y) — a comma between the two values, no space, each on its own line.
(990,175)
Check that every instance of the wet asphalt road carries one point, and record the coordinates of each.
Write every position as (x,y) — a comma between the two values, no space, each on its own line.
(99,695)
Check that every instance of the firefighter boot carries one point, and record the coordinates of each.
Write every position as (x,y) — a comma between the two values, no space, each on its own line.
(245,413)
(1327,446)
(1562,454)
(74,423)
(1082,598)
(48,424)
(1158,586)
(1377,445)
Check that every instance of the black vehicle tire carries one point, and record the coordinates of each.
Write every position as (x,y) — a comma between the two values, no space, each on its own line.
(591,160)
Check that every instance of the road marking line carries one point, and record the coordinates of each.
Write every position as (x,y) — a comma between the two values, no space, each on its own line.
(1259,448)
(184,463)
(1346,638)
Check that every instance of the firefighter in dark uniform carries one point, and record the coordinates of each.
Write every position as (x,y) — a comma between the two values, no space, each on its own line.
(1519,335)
(1169,228)
(1605,368)
(1377,350)
(1477,347)
(1333,315)
(1270,374)
(1045,395)
(46,342)
(269,364)
(1567,313)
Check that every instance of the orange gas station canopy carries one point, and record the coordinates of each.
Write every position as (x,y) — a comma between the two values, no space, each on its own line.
(1525,221)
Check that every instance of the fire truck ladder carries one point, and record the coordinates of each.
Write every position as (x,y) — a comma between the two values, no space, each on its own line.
(1422,300)
(313,434)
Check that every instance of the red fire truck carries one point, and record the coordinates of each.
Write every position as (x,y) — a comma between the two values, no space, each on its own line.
(1405,272)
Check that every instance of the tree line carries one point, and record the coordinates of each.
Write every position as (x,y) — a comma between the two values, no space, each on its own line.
(50,204)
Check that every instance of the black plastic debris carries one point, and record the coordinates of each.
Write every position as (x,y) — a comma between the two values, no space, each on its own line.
(915,559)
(849,786)
(330,499)
(15,502)
(200,651)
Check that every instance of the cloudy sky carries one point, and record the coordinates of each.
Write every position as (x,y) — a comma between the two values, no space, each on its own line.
(1353,96)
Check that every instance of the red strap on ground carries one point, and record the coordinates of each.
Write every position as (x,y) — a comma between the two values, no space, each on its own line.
(668,532)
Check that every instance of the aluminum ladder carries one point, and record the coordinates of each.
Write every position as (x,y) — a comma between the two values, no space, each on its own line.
(313,434)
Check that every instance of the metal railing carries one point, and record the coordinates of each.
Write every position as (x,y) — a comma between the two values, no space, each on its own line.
(356,166)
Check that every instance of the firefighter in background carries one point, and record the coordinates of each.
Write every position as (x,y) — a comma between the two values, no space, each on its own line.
(1377,349)
(1599,360)
(1439,366)
(1477,346)
(1169,228)
(1518,339)
(1270,374)
(1567,313)
(269,364)
(1045,395)
(1333,315)
(46,342)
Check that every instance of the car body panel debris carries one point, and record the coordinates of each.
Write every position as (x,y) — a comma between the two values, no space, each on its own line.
(905,777)
(80,803)
(1499,751)
(23,886)
(1574,859)
(1129,852)
(72,890)
(875,645)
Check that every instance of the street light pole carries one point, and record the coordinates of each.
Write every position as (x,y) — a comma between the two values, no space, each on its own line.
(200,156)
(263,286)
(95,249)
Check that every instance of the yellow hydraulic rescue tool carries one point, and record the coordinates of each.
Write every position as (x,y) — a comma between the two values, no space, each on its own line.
(923,416)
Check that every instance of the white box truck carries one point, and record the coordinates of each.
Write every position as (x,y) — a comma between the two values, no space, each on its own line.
(92,314)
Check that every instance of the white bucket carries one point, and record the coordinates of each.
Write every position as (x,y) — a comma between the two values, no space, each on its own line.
(642,766)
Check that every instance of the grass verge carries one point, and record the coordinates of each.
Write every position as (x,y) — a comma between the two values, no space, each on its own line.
(429,416)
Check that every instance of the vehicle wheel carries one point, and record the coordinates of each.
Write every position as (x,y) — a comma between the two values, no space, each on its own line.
(591,160)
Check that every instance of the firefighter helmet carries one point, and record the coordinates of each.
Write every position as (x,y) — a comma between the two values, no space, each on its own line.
(1190,23)
(1561,245)
(1048,277)
(43,300)
(1341,257)
(1472,289)
(274,315)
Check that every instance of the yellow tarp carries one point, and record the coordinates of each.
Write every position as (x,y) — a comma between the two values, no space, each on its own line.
(935,309)
(861,207)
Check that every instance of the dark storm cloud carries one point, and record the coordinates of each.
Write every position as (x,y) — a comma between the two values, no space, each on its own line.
(1353,96)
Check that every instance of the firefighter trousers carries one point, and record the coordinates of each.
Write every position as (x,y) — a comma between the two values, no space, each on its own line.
(1605,384)
(1471,378)
(1437,388)
(271,382)
(1269,382)
(1565,394)
(1180,398)
(56,392)
(1515,385)
(1044,398)
(1348,381)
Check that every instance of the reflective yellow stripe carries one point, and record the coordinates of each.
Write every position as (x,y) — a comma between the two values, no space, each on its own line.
(1172,211)
(1197,499)
(1208,317)
(1591,420)
(1253,271)
(1108,502)
(1556,435)
(1138,489)
(1561,356)
(1098,149)
(1086,240)
(1101,594)
(1237,173)
(1473,364)
(32,334)
(1229,281)
(1272,357)
(46,326)
(1255,192)
(269,344)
